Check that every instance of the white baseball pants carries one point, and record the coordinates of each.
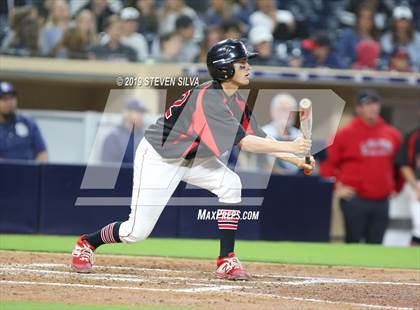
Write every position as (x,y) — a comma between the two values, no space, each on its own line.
(156,178)
(415,211)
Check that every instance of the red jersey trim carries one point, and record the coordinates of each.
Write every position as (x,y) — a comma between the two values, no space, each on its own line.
(245,121)
(200,125)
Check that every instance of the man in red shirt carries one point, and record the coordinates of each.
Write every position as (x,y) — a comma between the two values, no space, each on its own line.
(361,159)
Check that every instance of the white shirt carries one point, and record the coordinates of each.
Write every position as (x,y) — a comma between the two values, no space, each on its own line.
(258,18)
(136,41)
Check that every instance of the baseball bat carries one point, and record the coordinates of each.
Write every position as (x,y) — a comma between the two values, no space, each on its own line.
(305,116)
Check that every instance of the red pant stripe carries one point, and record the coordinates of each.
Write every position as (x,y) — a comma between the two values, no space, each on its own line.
(111,233)
(103,234)
(105,230)
(228,226)
(228,221)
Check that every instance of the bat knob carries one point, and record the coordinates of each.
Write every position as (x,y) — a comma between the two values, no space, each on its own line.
(308,171)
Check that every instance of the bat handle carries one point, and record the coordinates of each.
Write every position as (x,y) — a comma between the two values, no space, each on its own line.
(308,162)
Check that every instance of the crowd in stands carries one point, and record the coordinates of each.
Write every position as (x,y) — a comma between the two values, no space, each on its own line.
(369,34)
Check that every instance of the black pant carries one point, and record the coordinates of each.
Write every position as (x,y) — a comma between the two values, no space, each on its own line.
(365,219)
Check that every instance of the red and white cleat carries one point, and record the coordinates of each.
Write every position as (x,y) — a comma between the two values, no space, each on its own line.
(230,268)
(83,256)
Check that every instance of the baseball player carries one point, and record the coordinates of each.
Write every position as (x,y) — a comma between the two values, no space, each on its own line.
(187,144)
(408,159)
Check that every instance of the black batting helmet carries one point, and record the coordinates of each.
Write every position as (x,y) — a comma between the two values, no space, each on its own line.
(221,56)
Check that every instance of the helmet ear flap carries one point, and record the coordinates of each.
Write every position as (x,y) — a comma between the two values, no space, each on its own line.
(227,71)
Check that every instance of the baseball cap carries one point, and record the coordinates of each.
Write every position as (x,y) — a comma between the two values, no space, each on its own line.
(260,34)
(129,13)
(366,96)
(402,12)
(135,105)
(183,21)
(6,88)
(318,40)
(400,53)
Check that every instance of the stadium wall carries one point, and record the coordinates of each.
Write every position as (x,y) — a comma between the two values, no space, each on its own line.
(42,198)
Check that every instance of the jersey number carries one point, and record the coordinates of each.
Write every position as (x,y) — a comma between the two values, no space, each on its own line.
(177,103)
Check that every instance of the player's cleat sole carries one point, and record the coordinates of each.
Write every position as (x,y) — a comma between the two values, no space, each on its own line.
(81,269)
(239,277)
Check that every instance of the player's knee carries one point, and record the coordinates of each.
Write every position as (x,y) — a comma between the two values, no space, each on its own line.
(232,189)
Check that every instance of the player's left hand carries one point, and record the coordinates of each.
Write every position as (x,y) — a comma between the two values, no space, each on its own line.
(307,167)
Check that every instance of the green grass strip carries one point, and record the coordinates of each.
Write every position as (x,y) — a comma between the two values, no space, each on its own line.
(20,305)
(258,251)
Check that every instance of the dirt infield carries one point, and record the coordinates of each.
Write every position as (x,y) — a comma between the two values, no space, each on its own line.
(150,281)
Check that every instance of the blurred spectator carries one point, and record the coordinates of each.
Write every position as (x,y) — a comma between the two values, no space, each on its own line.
(242,10)
(318,52)
(218,12)
(367,55)
(268,16)
(320,15)
(78,40)
(148,21)
(114,6)
(120,145)
(20,137)
(283,115)
(23,38)
(403,35)
(232,30)
(348,39)
(190,49)
(361,160)
(131,37)
(170,48)
(382,11)
(212,35)
(101,10)
(408,159)
(57,23)
(44,8)
(399,61)
(262,42)
(295,59)
(169,13)
(281,23)
(113,49)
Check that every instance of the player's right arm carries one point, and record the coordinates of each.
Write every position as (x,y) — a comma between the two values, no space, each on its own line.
(220,130)
(254,144)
